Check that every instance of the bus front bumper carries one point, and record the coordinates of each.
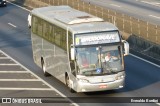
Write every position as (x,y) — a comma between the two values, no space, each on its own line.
(91,87)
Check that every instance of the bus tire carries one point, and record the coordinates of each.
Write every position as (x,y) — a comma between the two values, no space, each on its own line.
(68,84)
(46,74)
(29,26)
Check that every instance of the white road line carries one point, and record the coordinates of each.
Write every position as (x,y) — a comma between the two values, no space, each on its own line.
(158,104)
(154,16)
(115,5)
(51,87)
(12,25)
(4,58)
(14,72)
(145,60)
(8,64)
(18,6)
(146,2)
(30,89)
(19,80)
(152,3)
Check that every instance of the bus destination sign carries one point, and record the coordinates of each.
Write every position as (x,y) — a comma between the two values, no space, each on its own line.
(97,38)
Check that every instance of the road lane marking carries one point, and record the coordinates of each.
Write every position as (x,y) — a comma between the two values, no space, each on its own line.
(158,104)
(30,89)
(145,60)
(154,16)
(12,25)
(4,58)
(115,5)
(30,80)
(14,72)
(146,2)
(151,3)
(18,6)
(8,64)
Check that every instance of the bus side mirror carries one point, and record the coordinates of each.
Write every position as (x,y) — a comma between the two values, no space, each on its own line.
(72,53)
(126,47)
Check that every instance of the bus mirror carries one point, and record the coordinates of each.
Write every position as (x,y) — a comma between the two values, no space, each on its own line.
(126,47)
(72,53)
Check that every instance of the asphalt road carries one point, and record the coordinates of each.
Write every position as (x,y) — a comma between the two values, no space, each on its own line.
(148,10)
(142,78)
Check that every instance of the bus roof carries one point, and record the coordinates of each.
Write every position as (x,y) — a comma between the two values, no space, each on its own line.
(77,21)
(66,14)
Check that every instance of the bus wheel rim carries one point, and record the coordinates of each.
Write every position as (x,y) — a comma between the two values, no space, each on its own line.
(44,68)
(68,81)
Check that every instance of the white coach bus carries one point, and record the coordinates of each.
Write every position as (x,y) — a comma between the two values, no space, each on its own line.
(79,49)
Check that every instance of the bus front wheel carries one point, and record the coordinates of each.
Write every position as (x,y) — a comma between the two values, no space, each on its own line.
(68,85)
(29,26)
(46,74)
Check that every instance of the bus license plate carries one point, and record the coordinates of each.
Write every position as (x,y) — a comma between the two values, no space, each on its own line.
(103,86)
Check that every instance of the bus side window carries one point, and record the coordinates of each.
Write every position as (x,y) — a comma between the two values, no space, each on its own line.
(45,30)
(50,32)
(63,40)
(40,24)
(35,25)
(53,34)
(57,36)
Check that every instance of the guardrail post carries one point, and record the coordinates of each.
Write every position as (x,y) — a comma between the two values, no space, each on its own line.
(102,13)
(114,21)
(83,6)
(96,10)
(147,30)
(73,3)
(49,2)
(89,7)
(139,28)
(131,25)
(58,2)
(156,33)
(108,15)
(78,5)
(67,2)
(123,22)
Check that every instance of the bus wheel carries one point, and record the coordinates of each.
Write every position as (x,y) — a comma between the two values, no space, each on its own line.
(68,85)
(29,26)
(44,69)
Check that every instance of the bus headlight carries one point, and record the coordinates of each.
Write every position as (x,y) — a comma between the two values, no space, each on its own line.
(83,81)
(119,77)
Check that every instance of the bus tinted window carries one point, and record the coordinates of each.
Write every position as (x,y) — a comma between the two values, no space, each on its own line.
(35,24)
(39,26)
(51,32)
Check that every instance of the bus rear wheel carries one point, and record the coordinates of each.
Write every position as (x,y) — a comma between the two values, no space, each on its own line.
(29,26)
(46,74)
(68,85)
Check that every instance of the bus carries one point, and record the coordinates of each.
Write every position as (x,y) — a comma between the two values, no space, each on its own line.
(79,49)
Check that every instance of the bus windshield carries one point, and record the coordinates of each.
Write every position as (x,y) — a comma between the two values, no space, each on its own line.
(99,60)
